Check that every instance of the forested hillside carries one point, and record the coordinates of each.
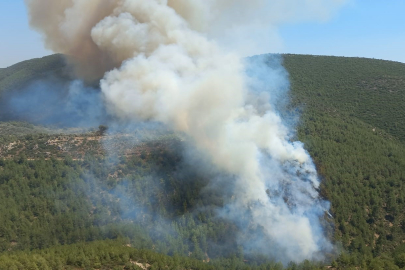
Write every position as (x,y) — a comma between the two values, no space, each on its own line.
(61,189)
(353,125)
(370,90)
(19,75)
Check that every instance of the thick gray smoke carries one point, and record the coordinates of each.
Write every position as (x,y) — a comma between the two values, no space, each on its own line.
(172,61)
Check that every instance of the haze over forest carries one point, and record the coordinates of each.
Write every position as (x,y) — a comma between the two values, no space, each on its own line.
(149,143)
(357,152)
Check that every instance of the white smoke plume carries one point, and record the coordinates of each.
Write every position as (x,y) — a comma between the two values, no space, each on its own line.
(173,61)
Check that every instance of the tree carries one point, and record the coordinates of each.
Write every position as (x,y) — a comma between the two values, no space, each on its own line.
(102,130)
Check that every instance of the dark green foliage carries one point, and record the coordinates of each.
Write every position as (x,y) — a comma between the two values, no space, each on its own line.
(120,255)
(371,90)
(348,118)
(48,202)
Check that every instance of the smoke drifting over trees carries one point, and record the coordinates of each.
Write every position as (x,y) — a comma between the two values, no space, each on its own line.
(171,62)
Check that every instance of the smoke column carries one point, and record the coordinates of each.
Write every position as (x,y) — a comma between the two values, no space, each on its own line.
(172,61)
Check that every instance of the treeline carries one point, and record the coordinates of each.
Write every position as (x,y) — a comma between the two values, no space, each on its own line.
(370,90)
(49,205)
(120,255)
(360,158)
(55,202)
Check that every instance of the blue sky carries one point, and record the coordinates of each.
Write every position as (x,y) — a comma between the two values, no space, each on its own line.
(17,41)
(364,28)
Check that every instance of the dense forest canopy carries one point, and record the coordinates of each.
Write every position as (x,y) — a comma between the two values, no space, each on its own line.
(62,195)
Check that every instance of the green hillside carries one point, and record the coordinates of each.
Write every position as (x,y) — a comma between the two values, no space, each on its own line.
(18,75)
(370,90)
(60,187)
(353,126)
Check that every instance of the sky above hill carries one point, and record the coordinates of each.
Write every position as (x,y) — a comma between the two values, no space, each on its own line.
(361,28)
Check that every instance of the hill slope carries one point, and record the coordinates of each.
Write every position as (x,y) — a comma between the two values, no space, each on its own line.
(352,124)
(41,91)
(371,90)
(18,75)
